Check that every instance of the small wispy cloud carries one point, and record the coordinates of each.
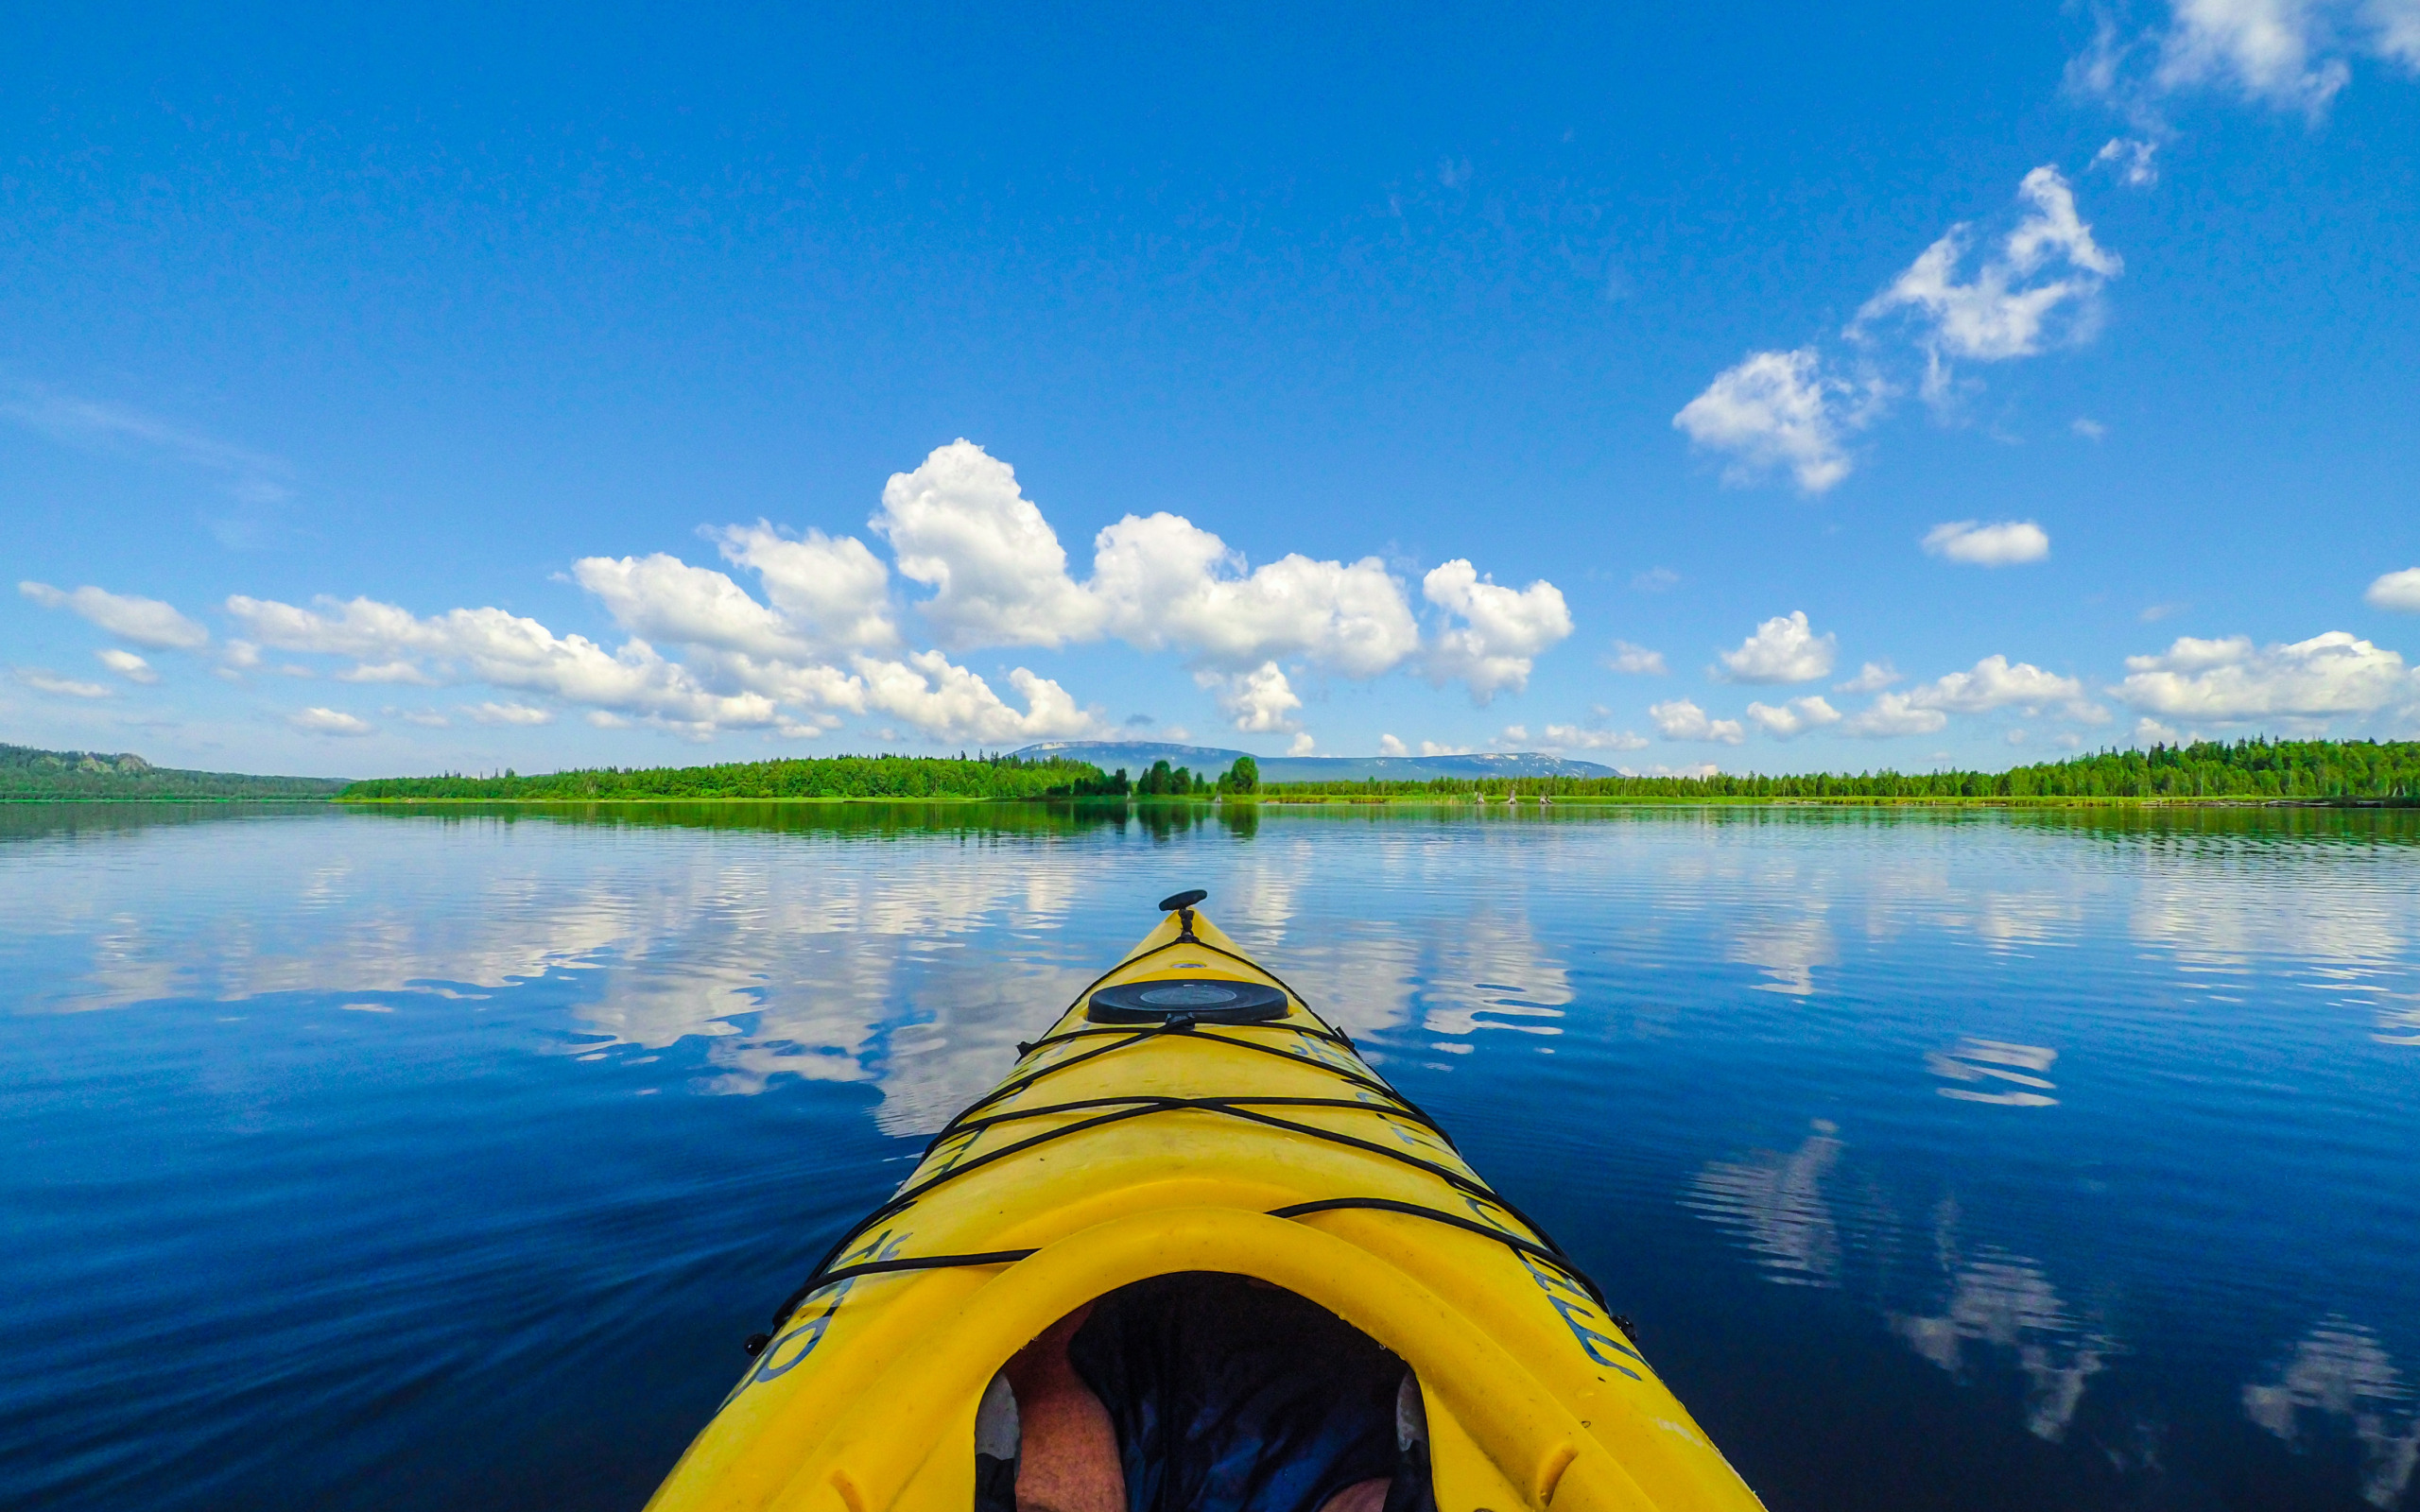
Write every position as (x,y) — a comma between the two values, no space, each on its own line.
(146,622)
(2286,54)
(493,712)
(2400,592)
(2134,160)
(319,721)
(2034,289)
(42,679)
(256,481)
(1580,737)
(2002,543)
(1871,677)
(1634,660)
(2039,288)
(127,665)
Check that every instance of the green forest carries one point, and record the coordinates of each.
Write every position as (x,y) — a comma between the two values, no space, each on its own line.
(821,776)
(825,777)
(2313,770)
(29,773)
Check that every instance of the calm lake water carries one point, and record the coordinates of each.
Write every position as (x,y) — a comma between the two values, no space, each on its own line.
(1971,1161)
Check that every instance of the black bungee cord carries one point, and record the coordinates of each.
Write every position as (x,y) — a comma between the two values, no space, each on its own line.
(972,1119)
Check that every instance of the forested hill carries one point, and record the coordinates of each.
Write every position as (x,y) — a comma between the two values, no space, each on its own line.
(987,777)
(27,773)
(2345,770)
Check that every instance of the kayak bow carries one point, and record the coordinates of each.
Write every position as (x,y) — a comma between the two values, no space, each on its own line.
(1190,1112)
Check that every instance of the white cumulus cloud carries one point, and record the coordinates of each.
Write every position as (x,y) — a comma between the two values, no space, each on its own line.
(1161,581)
(1871,678)
(960,526)
(949,703)
(1783,649)
(503,650)
(1795,717)
(127,665)
(2231,680)
(1894,714)
(146,622)
(318,721)
(1680,719)
(663,598)
(1392,745)
(1996,684)
(2400,592)
(1778,409)
(2041,288)
(1636,661)
(2002,543)
(1259,702)
(830,589)
(816,639)
(1503,630)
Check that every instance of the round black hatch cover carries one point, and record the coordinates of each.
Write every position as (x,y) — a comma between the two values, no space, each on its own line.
(1203,1000)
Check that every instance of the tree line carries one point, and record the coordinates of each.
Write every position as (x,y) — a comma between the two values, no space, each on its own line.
(885,776)
(823,778)
(2257,768)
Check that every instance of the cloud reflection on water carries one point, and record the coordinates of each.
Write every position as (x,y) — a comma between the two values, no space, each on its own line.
(1995,1303)
(1775,1203)
(2003,1302)
(2340,1371)
(1986,1060)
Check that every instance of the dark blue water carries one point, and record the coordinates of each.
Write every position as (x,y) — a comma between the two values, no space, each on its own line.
(1968,1162)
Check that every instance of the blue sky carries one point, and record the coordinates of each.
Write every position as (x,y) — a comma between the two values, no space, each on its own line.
(1781,388)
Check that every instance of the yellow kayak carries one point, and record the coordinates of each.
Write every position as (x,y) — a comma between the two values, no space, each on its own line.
(1188,1154)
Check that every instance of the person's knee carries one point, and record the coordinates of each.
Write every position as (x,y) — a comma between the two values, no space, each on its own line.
(1361,1496)
(1067,1447)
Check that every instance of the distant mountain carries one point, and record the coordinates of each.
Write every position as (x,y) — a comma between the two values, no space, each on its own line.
(28,773)
(1135,755)
(1421,769)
